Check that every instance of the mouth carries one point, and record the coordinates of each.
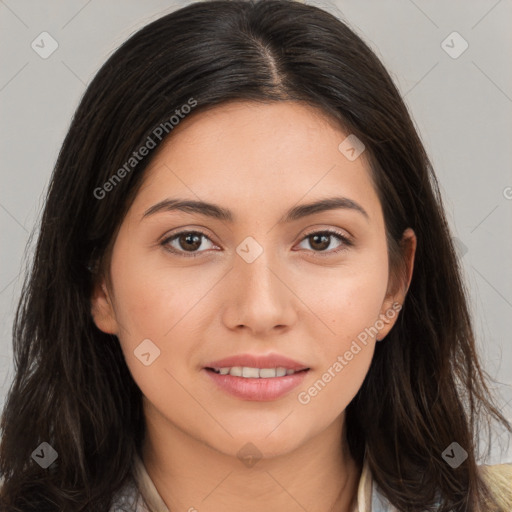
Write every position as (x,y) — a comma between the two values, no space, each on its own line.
(255,384)
(247,372)
(251,376)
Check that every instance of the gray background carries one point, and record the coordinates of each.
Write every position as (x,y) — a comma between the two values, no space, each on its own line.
(462,108)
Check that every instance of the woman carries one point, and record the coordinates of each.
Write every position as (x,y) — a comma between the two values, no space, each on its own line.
(244,293)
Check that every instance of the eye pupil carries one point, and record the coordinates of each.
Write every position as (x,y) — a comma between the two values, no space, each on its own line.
(192,239)
(317,238)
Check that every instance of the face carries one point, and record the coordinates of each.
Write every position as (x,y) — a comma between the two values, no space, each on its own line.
(279,286)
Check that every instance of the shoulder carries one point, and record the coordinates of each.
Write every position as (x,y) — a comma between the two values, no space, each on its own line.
(498,477)
(497,472)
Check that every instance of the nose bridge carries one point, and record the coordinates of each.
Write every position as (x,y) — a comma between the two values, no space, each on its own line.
(255,272)
(259,299)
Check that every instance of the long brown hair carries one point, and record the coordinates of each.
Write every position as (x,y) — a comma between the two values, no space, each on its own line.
(72,389)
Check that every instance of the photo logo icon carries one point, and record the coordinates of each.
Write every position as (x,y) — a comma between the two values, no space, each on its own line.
(460,248)
(249,249)
(44,45)
(45,455)
(146,352)
(249,455)
(455,455)
(351,147)
(454,45)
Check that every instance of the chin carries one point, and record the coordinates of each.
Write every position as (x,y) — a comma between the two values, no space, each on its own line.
(257,443)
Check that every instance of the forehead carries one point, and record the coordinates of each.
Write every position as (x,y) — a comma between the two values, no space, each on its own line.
(270,154)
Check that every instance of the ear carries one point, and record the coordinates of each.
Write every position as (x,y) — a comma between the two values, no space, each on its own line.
(102,310)
(398,285)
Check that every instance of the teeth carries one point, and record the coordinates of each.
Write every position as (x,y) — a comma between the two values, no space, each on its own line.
(265,373)
(236,371)
(280,372)
(254,373)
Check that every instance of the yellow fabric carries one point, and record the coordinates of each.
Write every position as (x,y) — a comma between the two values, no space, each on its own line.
(499,479)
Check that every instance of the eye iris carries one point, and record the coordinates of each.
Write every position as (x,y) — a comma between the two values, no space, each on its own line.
(317,238)
(192,239)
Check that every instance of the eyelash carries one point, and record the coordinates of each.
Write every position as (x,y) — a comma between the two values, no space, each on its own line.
(330,232)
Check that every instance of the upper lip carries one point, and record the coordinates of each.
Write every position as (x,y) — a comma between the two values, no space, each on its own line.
(258,361)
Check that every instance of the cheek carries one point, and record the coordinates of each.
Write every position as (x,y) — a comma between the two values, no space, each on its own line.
(152,298)
(345,300)
(155,317)
(331,389)
(345,352)
(348,302)
(165,305)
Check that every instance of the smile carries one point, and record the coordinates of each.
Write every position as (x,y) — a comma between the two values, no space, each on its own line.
(254,373)
(260,384)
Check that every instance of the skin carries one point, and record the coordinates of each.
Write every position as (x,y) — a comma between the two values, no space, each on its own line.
(298,298)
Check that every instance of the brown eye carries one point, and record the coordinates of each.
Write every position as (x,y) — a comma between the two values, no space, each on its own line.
(320,241)
(185,242)
(190,241)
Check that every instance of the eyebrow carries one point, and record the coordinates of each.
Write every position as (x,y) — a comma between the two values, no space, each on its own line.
(218,212)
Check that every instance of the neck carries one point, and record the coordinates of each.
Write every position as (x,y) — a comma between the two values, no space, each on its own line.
(317,476)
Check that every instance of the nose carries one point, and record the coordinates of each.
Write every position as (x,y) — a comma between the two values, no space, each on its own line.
(259,298)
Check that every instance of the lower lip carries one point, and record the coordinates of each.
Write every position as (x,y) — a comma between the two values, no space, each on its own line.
(257,389)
